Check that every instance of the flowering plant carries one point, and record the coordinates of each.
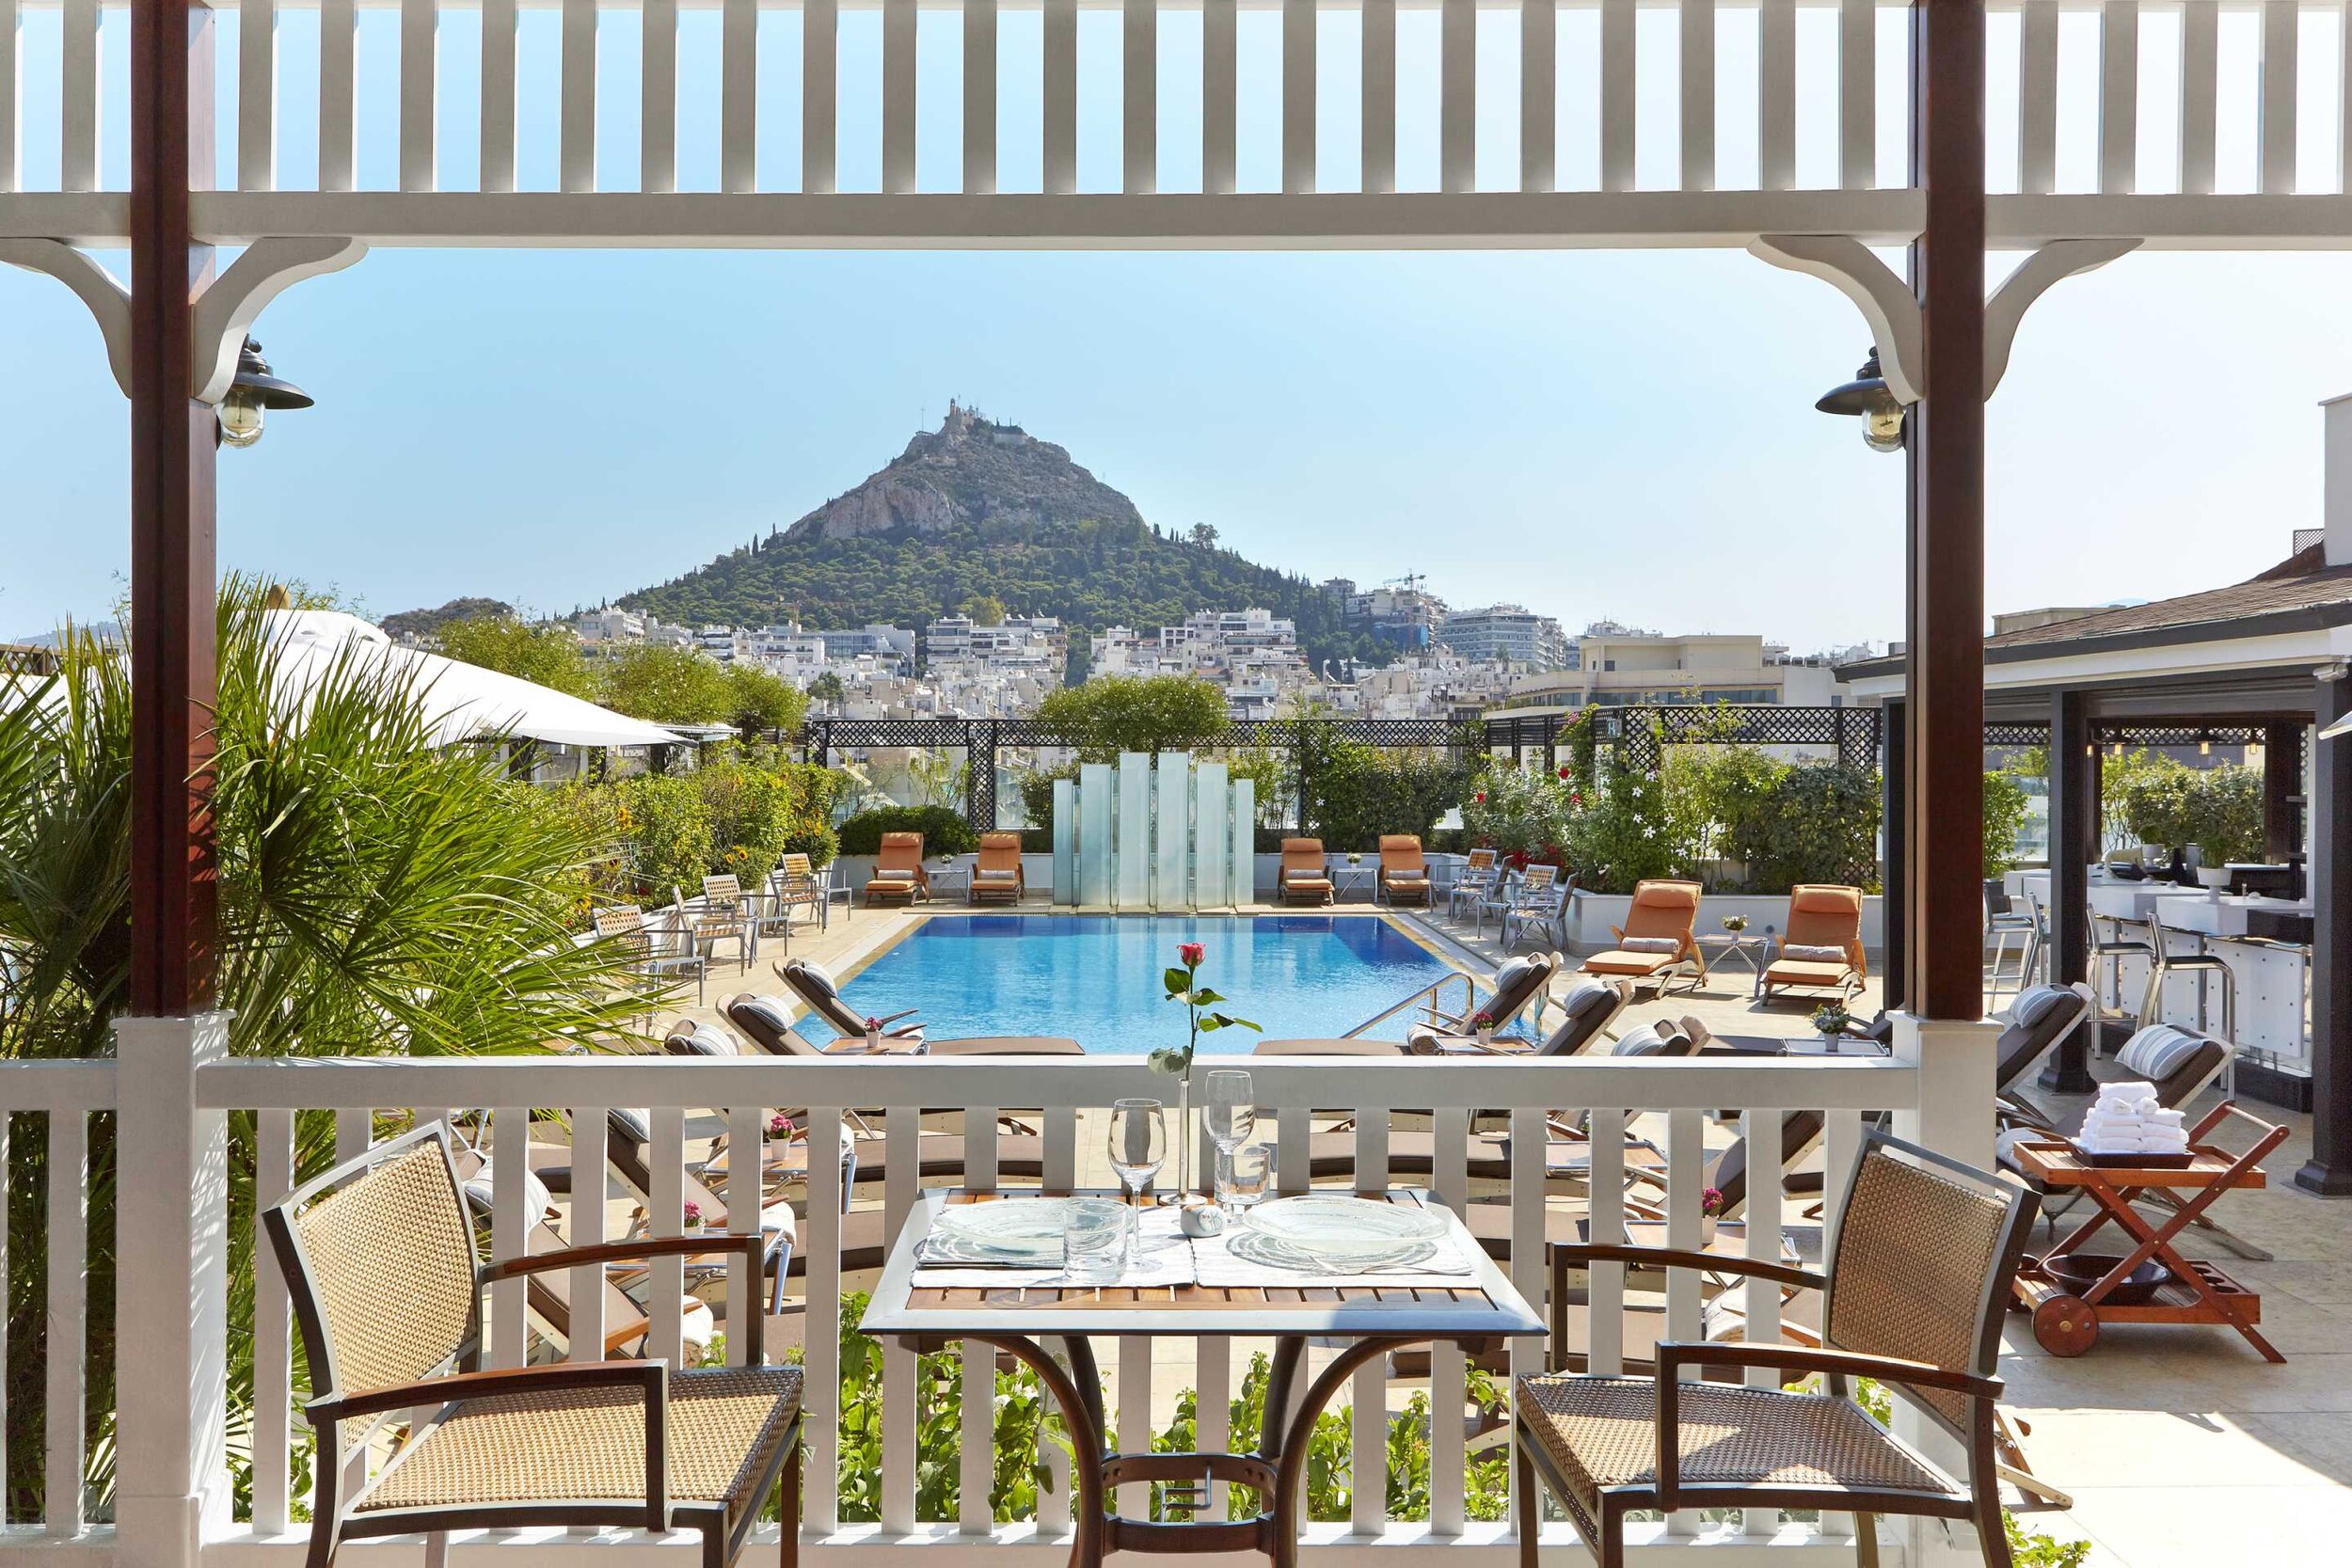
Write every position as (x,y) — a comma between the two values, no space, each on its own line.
(782,1126)
(1735,923)
(1183,985)
(1565,770)
(694,1215)
(1830,1018)
(1482,1019)
(873,1025)
(1711,1203)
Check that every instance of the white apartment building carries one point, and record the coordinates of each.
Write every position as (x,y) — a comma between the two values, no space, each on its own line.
(1505,632)
(1621,667)
(1033,646)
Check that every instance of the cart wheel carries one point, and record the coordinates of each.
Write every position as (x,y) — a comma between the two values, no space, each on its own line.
(2065,1325)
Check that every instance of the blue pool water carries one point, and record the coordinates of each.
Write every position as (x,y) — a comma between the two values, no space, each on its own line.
(1096,978)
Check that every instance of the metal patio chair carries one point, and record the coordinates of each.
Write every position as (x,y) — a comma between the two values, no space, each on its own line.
(1919,1278)
(379,1259)
(644,945)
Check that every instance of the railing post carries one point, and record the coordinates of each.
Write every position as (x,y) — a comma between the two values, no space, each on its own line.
(171,1312)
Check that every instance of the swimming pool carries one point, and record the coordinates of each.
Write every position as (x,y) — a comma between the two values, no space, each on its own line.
(1096,978)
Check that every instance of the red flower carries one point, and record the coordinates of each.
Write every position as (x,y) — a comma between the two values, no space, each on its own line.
(1576,800)
(873,1025)
(1190,955)
(1564,771)
(1480,797)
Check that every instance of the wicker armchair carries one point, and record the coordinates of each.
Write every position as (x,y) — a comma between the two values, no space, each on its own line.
(379,1259)
(1924,1263)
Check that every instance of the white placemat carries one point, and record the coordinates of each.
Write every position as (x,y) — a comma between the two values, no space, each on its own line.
(1215,1264)
(1157,1255)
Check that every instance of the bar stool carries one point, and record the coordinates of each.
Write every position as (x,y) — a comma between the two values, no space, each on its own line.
(2119,947)
(2001,922)
(2203,962)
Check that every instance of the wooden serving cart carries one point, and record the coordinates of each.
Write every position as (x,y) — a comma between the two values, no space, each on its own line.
(2066,1323)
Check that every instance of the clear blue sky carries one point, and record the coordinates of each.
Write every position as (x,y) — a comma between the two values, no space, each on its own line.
(1595,435)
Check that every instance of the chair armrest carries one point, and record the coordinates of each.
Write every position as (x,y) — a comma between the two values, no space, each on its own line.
(753,1248)
(1673,1354)
(650,1376)
(1567,1254)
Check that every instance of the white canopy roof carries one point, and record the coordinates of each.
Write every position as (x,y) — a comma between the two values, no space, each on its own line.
(463,701)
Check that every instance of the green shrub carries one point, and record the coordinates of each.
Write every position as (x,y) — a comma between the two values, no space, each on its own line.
(1822,825)
(668,824)
(2226,814)
(2154,797)
(752,817)
(944,833)
(2004,806)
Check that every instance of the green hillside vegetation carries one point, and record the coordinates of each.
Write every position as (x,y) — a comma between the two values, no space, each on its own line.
(981,516)
(1091,573)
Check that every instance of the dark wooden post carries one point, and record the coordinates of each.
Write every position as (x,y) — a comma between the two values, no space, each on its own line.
(2074,844)
(1943,799)
(1893,908)
(2283,781)
(2329,1169)
(173,626)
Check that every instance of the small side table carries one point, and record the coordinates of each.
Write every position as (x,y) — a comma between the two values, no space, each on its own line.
(947,877)
(1363,878)
(2199,1292)
(1748,949)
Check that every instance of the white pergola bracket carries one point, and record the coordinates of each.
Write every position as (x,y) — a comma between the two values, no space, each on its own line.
(232,302)
(1885,301)
(2050,265)
(1892,312)
(108,300)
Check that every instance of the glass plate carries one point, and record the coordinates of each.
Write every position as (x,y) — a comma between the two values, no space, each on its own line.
(1363,1254)
(1006,1228)
(1343,1226)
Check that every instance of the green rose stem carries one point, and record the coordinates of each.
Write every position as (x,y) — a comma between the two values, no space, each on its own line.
(1183,985)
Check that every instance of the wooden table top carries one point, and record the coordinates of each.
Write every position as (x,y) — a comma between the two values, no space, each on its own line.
(1488,1308)
(2055,1163)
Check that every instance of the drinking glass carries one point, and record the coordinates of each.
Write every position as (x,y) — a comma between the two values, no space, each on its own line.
(1094,1240)
(1139,1142)
(1231,1115)
(1245,1176)
(1232,1109)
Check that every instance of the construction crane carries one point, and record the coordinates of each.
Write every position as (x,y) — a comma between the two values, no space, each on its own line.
(1410,582)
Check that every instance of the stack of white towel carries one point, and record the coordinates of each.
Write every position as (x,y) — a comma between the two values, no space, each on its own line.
(2127,1118)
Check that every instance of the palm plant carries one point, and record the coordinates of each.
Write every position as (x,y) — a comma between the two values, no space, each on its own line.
(379,894)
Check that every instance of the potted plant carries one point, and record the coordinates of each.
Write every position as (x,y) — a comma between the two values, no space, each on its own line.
(782,1132)
(1735,923)
(1712,1207)
(1831,1022)
(873,1032)
(1484,1023)
(2224,817)
(693,1224)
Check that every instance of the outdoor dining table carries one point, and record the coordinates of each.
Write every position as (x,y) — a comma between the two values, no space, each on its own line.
(1470,1311)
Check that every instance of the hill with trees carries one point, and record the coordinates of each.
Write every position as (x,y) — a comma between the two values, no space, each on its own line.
(985,518)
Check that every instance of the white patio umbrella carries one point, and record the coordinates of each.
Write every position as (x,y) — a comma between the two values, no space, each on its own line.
(463,701)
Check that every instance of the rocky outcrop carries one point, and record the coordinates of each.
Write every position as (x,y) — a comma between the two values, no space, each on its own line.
(971,469)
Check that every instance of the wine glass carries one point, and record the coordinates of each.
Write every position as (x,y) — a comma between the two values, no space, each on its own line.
(1139,1142)
(1231,1112)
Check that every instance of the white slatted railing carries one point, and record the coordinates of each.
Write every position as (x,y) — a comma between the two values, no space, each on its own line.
(48,1107)
(1664,1102)
(384,122)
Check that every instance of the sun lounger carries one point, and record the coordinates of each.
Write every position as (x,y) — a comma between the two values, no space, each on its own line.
(1303,877)
(813,985)
(899,875)
(1822,950)
(1655,943)
(996,875)
(1404,873)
